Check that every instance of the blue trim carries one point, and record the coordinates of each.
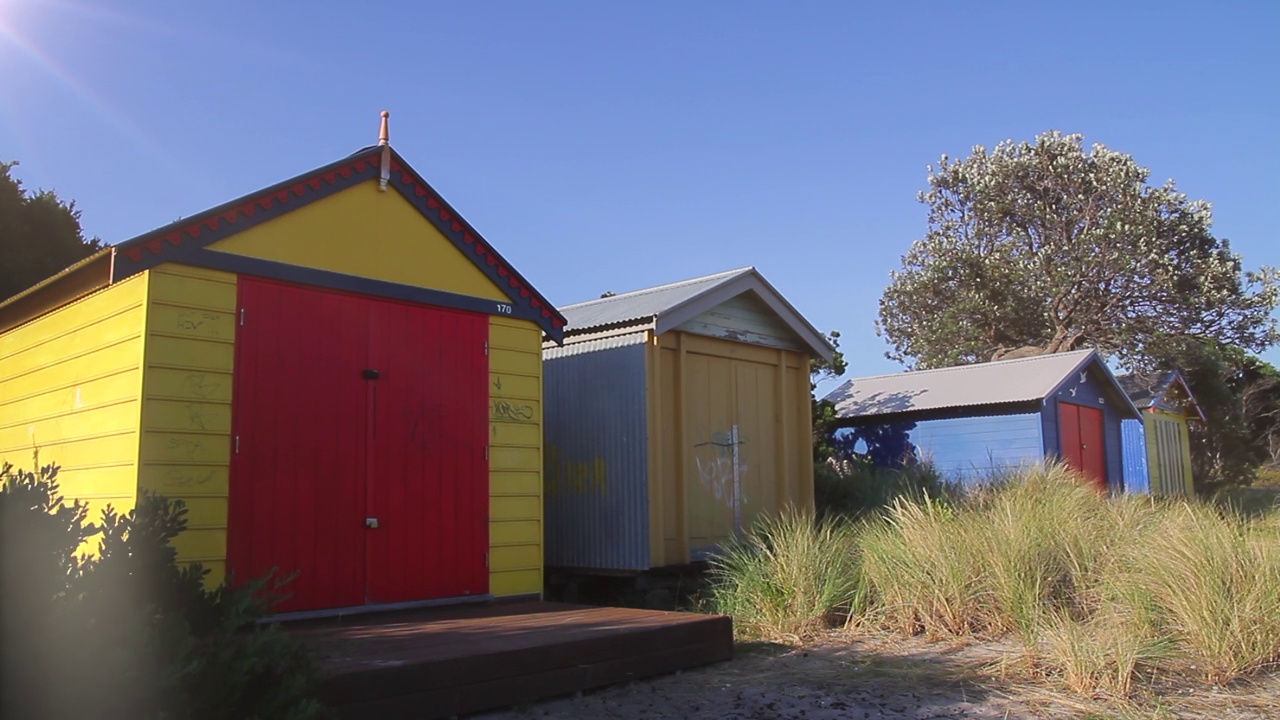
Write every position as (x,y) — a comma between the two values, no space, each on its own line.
(228,262)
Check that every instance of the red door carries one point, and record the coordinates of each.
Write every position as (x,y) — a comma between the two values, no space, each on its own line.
(427,484)
(360,427)
(1083,446)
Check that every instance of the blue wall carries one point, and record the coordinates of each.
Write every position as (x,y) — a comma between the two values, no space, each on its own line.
(964,450)
(1136,477)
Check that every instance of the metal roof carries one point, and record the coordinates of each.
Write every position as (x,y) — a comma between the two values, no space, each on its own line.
(1146,390)
(664,307)
(994,383)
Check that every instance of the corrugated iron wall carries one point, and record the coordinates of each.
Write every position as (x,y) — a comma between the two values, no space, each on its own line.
(596,466)
(1134,439)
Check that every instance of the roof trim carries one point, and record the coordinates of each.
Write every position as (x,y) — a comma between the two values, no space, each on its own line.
(735,283)
(1159,390)
(1191,398)
(90,274)
(186,240)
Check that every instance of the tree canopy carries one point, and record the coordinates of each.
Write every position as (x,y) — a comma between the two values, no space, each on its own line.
(1056,247)
(40,235)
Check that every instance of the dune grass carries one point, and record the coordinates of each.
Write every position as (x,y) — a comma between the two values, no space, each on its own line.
(1099,592)
(790,578)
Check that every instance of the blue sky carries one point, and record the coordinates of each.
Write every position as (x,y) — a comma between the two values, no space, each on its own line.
(610,146)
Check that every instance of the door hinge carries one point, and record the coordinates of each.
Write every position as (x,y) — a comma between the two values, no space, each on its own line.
(486,453)
(486,347)
(242,316)
(486,559)
(237,444)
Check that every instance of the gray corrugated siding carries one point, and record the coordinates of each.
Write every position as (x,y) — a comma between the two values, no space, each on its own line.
(596,457)
(1134,440)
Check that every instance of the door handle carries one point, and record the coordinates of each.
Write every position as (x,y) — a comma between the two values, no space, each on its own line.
(371,523)
(370,374)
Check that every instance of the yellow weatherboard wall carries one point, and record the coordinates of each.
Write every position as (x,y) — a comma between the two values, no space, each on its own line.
(515,457)
(70,386)
(368,233)
(1168,452)
(186,413)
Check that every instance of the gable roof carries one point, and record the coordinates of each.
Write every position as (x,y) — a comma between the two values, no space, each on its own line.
(1147,390)
(185,241)
(665,307)
(1005,382)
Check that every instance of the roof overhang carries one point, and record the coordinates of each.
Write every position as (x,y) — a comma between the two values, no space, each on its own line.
(670,318)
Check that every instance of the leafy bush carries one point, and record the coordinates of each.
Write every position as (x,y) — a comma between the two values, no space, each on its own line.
(850,488)
(127,632)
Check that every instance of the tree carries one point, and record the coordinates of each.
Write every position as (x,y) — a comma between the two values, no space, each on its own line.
(1239,395)
(39,235)
(824,411)
(1045,244)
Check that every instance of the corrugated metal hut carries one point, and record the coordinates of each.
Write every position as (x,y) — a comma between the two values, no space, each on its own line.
(974,421)
(1167,406)
(338,374)
(675,416)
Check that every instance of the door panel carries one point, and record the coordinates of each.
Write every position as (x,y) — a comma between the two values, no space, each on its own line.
(756,399)
(1069,424)
(711,495)
(296,496)
(323,447)
(428,481)
(1083,441)
(1093,446)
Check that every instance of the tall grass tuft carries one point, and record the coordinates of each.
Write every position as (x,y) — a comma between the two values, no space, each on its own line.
(999,560)
(789,577)
(1100,591)
(1217,580)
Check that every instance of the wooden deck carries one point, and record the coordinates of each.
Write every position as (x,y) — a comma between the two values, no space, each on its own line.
(444,662)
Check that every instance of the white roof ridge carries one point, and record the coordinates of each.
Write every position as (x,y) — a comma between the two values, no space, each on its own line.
(659,288)
(954,368)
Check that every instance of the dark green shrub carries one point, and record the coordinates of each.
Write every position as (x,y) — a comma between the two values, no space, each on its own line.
(849,488)
(128,632)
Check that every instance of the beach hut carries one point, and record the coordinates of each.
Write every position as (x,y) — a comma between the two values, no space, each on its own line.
(338,374)
(675,416)
(1168,406)
(974,421)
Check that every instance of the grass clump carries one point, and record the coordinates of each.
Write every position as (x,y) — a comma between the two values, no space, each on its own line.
(1100,592)
(789,577)
(1216,580)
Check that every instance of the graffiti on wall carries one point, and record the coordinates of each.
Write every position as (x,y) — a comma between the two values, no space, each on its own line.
(722,472)
(507,411)
(580,477)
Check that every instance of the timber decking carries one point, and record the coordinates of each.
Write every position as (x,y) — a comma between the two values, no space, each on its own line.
(444,662)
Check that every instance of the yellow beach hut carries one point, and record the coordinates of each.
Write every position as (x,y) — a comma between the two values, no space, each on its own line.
(323,370)
(1167,407)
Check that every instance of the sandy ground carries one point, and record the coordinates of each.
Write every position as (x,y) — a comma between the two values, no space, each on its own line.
(850,679)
